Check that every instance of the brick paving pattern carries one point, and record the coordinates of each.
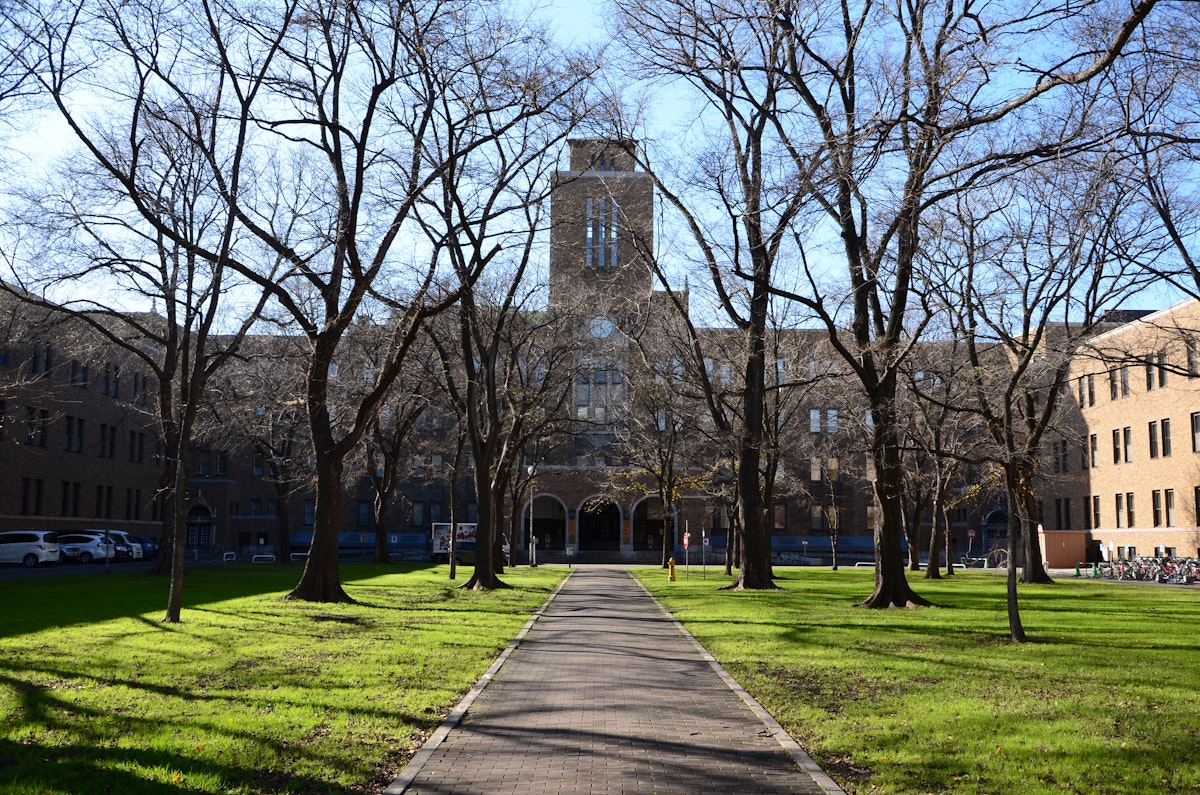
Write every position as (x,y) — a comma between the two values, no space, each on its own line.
(605,695)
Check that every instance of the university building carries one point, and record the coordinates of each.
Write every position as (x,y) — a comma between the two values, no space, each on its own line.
(79,436)
(1126,481)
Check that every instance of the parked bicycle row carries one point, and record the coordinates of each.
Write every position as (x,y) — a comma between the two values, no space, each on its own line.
(1178,571)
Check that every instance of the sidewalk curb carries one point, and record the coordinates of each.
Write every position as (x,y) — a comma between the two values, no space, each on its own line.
(406,776)
(785,740)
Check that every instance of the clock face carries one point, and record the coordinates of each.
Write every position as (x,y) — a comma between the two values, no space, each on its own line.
(601,327)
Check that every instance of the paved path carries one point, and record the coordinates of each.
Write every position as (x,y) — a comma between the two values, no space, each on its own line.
(605,694)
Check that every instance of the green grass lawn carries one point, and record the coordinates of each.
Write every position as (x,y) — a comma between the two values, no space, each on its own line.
(1105,700)
(251,693)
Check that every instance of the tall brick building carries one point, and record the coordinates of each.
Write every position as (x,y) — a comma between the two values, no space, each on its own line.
(1126,480)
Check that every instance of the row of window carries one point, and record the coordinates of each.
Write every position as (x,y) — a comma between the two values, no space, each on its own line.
(37,431)
(1157,370)
(41,364)
(1163,511)
(33,496)
(1158,437)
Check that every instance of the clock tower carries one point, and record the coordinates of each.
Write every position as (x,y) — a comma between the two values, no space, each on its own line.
(602,235)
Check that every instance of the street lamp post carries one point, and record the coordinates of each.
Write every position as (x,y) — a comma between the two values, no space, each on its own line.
(532,537)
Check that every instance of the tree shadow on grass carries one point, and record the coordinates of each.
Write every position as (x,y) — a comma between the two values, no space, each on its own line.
(84,769)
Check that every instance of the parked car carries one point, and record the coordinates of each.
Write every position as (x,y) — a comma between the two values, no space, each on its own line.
(29,547)
(86,547)
(149,546)
(126,547)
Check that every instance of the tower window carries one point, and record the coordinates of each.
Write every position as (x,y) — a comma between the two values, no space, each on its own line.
(600,243)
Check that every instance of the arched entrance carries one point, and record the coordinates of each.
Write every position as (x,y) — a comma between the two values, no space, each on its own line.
(201,525)
(599,526)
(649,525)
(549,523)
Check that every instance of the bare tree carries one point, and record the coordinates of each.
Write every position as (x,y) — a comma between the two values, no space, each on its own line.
(503,361)
(1037,263)
(359,118)
(124,224)
(258,401)
(882,111)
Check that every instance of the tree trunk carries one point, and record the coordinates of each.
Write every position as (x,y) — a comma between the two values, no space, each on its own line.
(891,585)
(949,544)
(485,578)
(178,505)
(912,534)
(167,520)
(1016,630)
(932,569)
(1034,570)
(382,554)
(321,580)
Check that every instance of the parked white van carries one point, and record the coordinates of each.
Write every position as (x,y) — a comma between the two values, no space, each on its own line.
(29,547)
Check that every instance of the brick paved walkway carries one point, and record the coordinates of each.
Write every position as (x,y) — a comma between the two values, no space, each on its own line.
(604,694)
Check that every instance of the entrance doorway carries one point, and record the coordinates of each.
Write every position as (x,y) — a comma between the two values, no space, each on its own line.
(649,525)
(201,524)
(549,523)
(600,526)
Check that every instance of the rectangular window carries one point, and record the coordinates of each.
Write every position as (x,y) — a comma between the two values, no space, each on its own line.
(1120,503)
(1196,431)
(68,433)
(831,420)
(1129,509)
(204,466)
(1081,393)
(1127,444)
(102,448)
(1169,506)
(222,462)
(435,512)
(816,518)
(814,420)
(1150,381)
(1161,363)
(1164,428)
(1156,507)
(600,233)
(1065,455)
(1116,445)
(1096,511)
(256,507)
(1094,449)
(814,470)
(1058,514)
(1091,389)
(1124,380)
(1193,359)
(1112,384)
(1153,427)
